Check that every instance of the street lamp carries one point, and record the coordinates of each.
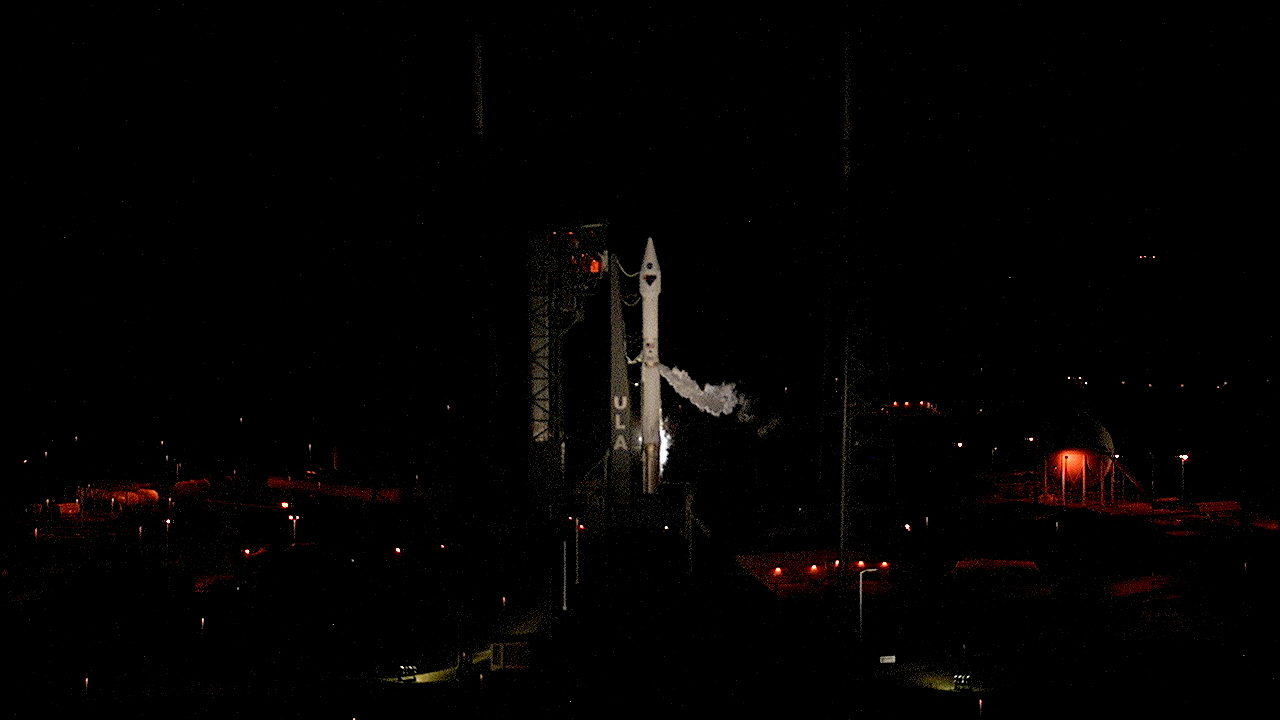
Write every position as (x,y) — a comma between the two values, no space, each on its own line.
(1064,479)
(294,520)
(1183,468)
(883,565)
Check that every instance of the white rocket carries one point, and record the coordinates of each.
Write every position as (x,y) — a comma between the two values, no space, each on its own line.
(650,375)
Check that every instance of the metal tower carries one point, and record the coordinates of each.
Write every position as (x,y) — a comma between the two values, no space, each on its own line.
(566,265)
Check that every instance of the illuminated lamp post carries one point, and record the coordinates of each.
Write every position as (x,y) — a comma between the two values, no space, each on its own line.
(861,572)
(1114,463)
(1064,479)
(1084,479)
(577,539)
(294,520)
(577,545)
(1182,467)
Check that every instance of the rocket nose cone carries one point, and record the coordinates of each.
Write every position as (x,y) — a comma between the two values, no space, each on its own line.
(650,257)
(650,272)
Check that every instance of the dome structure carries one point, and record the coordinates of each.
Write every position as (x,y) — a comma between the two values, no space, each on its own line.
(1082,432)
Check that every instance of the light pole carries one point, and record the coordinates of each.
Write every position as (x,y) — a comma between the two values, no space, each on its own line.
(573,523)
(1115,466)
(1084,480)
(860,574)
(577,544)
(1183,468)
(1064,480)
(294,520)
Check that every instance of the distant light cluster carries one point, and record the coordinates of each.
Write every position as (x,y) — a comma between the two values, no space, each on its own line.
(922,405)
(820,568)
(1181,385)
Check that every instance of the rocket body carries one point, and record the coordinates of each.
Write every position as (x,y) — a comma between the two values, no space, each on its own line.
(650,376)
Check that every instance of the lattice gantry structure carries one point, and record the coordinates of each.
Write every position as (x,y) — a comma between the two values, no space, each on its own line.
(566,264)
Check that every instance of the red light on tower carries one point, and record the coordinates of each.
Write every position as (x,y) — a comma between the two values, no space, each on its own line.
(884,566)
(861,564)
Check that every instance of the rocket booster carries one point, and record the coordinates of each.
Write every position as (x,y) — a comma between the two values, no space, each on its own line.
(650,375)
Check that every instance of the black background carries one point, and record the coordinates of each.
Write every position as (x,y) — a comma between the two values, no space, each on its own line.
(291,218)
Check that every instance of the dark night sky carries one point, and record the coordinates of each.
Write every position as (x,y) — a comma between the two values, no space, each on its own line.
(291,218)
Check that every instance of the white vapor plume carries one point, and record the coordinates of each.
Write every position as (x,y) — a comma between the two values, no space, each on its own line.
(715,399)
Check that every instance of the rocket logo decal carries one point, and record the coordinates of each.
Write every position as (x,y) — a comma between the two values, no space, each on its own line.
(620,422)
(619,404)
